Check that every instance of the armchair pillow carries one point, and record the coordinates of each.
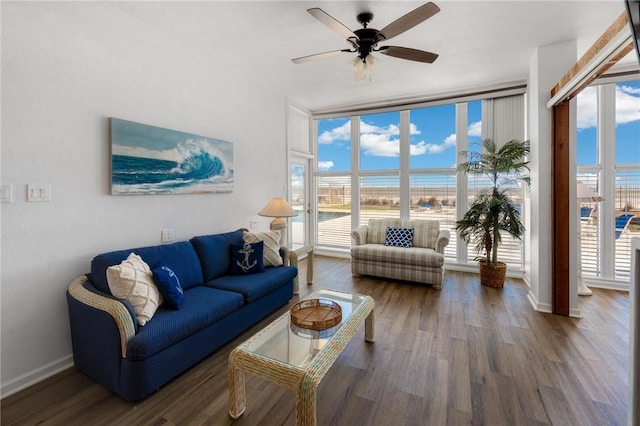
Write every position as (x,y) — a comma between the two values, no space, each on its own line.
(399,237)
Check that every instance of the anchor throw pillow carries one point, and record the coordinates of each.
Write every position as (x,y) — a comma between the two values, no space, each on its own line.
(246,258)
(399,237)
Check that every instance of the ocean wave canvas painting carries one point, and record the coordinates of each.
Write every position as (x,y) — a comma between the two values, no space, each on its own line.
(152,160)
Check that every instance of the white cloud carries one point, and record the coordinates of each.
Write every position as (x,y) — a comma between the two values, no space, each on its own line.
(391,129)
(475,129)
(384,142)
(325,165)
(587,108)
(627,106)
(379,144)
(341,133)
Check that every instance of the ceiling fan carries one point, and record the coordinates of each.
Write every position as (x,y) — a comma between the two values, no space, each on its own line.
(365,40)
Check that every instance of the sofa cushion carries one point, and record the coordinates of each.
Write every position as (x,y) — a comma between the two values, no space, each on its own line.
(132,280)
(399,237)
(425,232)
(213,252)
(255,286)
(271,242)
(378,229)
(169,286)
(417,256)
(246,258)
(180,257)
(201,307)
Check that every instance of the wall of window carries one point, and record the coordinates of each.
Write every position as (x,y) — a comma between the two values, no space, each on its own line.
(608,162)
(402,164)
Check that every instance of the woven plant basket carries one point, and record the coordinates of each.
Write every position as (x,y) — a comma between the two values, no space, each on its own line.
(492,276)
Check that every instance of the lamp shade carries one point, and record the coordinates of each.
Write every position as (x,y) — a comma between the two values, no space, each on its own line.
(584,193)
(277,207)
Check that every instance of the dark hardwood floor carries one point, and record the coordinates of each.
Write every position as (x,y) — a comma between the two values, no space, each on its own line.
(463,355)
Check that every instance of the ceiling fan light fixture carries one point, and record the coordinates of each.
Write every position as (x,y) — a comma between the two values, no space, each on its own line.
(362,67)
(369,62)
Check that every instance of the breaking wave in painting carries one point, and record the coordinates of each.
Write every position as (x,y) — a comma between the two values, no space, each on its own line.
(197,168)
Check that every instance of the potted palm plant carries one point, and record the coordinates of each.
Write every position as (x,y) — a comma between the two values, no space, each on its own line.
(493,212)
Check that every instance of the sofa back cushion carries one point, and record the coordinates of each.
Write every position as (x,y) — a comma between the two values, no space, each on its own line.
(214,252)
(378,229)
(425,232)
(180,257)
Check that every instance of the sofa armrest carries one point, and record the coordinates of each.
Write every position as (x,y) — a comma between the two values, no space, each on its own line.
(118,312)
(443,240)
(360,234)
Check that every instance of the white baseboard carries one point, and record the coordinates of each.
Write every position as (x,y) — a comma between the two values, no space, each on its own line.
(540,307)
(607,284)
(32,377)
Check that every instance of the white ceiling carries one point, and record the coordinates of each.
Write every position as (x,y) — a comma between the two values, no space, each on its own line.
(480,43)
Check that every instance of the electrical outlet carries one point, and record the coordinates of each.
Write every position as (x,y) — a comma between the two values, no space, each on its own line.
(253,226)
(166,235)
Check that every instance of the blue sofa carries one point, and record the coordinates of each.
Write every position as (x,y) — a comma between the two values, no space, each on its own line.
(133,361)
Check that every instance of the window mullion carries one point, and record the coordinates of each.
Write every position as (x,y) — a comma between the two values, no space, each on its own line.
(355,170)
(606,154)
(462,205)
(405,152)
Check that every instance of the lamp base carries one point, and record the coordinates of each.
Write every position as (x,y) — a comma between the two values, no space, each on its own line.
(583,290)
(277,224)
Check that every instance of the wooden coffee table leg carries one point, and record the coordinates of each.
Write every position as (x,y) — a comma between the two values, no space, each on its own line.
(370,327)
(237,397)
(306,402)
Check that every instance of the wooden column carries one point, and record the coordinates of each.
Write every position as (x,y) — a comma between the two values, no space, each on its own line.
(561,210)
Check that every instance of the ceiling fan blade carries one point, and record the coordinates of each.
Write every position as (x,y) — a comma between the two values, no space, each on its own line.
(409,20)
(410,54)
(318,56)
(331,22)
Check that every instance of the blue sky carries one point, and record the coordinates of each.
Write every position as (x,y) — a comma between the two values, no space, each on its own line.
(627,124)
(432,134)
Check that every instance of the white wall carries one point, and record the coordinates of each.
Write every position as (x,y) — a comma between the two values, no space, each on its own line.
(66,68)
(547,65)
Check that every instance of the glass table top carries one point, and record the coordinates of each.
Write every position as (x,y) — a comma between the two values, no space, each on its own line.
(285,342)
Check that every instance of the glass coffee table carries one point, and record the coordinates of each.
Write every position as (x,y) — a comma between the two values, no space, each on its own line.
(298,358)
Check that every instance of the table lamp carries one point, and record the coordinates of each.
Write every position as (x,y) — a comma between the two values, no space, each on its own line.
(278,208)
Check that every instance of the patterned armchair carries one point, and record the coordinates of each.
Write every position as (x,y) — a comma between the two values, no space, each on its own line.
(423,262)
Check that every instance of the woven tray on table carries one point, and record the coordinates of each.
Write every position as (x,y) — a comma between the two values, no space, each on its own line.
(316,314)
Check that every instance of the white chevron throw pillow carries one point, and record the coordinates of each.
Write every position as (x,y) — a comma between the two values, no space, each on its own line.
(271,242)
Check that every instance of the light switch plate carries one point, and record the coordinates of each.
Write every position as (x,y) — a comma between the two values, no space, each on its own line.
(38,192)
(6,193)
